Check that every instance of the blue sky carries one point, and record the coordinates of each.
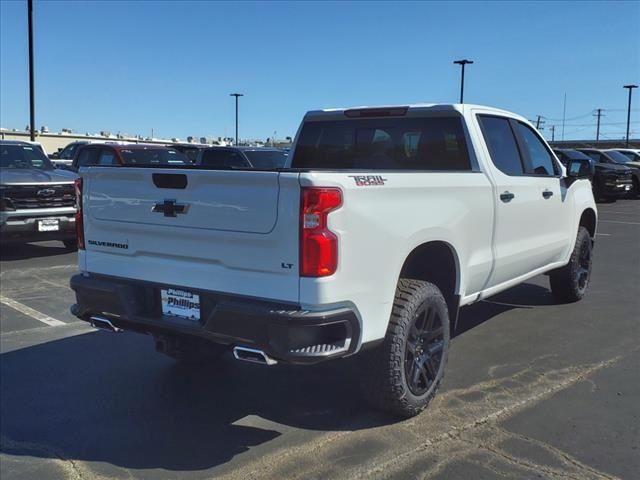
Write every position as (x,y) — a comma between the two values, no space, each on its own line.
(170,66)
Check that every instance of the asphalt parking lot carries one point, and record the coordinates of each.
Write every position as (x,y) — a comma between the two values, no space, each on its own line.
(533,389)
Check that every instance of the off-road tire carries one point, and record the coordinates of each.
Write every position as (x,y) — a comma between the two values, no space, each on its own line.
(569,283)
(385,383)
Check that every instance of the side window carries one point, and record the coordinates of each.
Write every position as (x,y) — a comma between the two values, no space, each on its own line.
(540,160)
(88,156)
(107,158)
(502,144)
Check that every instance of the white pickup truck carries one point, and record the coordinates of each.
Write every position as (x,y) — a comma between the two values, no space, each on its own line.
(384,222)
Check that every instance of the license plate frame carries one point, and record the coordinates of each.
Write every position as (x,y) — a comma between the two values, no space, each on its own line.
(180,303)
(49,225)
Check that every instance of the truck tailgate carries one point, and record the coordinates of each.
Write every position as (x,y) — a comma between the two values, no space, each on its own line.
(226,231)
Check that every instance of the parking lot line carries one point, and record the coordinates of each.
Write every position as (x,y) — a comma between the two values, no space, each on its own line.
(616,221)
(36,315)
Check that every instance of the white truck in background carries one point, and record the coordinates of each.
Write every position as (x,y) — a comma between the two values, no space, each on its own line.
(384,222)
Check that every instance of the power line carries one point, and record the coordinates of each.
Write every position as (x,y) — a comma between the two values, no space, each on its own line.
(572,118)
(602,124)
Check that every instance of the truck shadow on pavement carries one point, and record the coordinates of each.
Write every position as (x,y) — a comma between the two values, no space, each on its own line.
(110,398)
(525,295)
(13,252)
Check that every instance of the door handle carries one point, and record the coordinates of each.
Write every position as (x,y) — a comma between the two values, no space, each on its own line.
(547,194)
(506,197)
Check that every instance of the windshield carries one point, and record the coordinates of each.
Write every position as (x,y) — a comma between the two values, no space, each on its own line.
(152,156)
(266,158)
(23,156)
(633,156)
(67,153)
(617,157)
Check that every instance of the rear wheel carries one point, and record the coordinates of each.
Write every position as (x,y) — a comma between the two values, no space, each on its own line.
(403,374)
(570,282)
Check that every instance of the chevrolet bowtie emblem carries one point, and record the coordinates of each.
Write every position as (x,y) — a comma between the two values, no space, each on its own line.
(47,192)
(170,208)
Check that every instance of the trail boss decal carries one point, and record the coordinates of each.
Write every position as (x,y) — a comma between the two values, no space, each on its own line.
(369,180)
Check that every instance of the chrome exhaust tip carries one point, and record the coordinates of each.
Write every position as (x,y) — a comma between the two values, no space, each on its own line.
(104,324)
(253,355)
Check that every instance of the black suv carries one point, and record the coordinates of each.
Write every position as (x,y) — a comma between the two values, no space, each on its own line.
(610,181)
(608,158)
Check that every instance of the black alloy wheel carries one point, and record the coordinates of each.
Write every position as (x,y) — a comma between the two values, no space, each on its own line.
(424,350)
(583,270)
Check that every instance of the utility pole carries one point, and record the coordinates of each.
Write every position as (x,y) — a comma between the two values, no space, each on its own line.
(32,111)
(462,63)
(236,95)
(630,88)
(553,132)
(538,121)
(598,114)
(564,114)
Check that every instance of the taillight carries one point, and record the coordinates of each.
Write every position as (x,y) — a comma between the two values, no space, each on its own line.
(79,222)
(318,244)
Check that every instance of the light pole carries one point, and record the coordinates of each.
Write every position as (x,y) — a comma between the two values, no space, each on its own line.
(630,87)
(32,114)
(462,63)
(236,95)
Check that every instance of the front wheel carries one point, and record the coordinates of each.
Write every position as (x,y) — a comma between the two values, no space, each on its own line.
(403,374)
(569,283)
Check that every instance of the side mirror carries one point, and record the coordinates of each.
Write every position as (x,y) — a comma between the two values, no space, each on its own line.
(580,168)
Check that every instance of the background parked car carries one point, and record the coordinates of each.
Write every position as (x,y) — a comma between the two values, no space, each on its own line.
(243,157)
(37,201)
(64,156)
(609,181)
(633,154)
(130,154)
(617,159)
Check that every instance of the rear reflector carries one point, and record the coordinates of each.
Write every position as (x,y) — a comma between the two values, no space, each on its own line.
(318,244)
(376,112)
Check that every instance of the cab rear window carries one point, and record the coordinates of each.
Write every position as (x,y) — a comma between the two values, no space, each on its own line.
(433,143)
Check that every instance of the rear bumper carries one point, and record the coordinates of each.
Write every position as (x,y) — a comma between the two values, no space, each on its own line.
(23,227)
(283,331)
